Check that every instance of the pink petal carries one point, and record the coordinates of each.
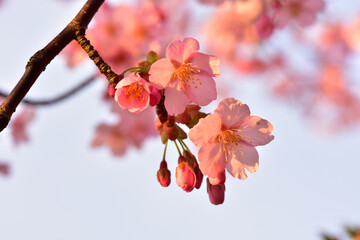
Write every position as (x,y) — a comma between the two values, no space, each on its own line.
(257,131)
(161,73)
(202,89)
(232,112)
(175,51)
(191,46)
(211,159)
(207,63)
(247,157)
(180,50)
(175,101)
(206,131)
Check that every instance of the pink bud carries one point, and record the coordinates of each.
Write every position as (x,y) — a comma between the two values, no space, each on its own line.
(216,193)
(163,174)
(192,161)
(185,176)
(264,26)
(199,177)
(4,169)
(220,179)
(155,96)
(111,90)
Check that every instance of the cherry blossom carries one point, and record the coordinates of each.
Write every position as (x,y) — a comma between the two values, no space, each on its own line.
(131,130)
(19,125)
(133,93)
(186,75)
(4,169)
(227,139)
(302,11)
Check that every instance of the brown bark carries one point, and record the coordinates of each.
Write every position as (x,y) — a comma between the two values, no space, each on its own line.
(43,57)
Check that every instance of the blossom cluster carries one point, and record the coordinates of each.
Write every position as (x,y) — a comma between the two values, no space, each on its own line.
(178,85)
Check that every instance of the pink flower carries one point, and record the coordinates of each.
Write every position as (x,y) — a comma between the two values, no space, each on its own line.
(130,131)
(4,169)
(19,125)
(186,75)
(227,139)
(133,93)
(264,26)
(302,11)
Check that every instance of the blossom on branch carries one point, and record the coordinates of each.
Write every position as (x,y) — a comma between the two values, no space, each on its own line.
(133,93)
(227,139)
(186,75)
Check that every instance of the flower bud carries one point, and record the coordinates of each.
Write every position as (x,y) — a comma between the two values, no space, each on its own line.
(216,193)
(220,179)
(111,90)
(193,162)
(155,96)
(171,132)
(163,174)
(185,176)
(199,177)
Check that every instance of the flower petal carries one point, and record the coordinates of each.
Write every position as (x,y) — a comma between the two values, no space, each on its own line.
(211,159)
(180,50)
(175,101)
(207,63)
(202,89)
(191,46)
(247,157)
(174,51)
(206,131)
(161,73)
(256,131)
(232,112)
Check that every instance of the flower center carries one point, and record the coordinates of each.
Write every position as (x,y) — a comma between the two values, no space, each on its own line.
(232,141)
(185,73)
(134,92)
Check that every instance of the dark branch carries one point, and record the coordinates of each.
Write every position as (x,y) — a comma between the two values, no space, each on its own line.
(42,58)
(103,67)
(59,98)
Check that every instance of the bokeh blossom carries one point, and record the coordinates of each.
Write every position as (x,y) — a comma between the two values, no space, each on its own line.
(303,12)
(227,139)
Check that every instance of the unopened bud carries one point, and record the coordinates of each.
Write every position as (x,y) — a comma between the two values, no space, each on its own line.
(171,132)
(155,96)
(220,179)
(216,193)
(163,174)
(193,162)
(185,176)
(111,90)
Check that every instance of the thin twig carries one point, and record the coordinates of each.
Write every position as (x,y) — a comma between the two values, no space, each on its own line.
(59,98)
(42,58)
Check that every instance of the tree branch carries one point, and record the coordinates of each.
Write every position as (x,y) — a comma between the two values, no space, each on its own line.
(43,57)
(59,98)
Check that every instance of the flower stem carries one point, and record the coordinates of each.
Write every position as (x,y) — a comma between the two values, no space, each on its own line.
(166,143)
(177,147)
